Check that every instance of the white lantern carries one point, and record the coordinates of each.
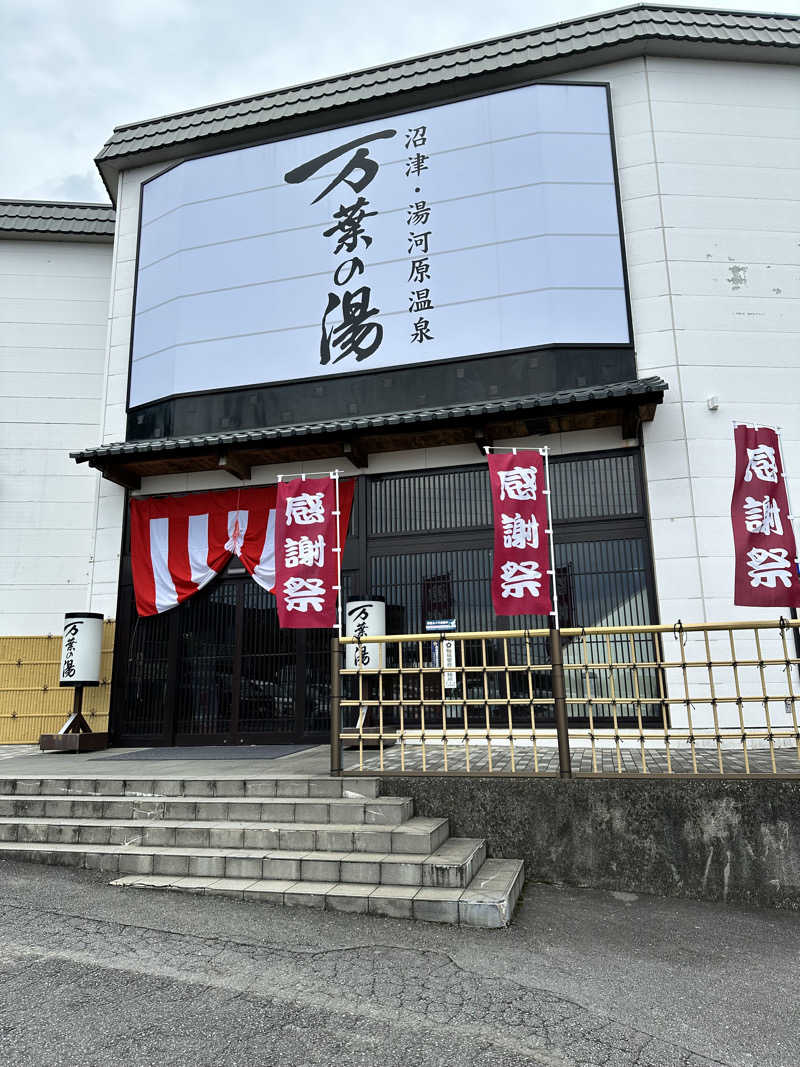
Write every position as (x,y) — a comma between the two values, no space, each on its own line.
(81,648)
(365,618)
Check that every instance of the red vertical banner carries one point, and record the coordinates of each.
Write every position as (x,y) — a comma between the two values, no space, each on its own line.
(766,551)
(520,578)
(306,563)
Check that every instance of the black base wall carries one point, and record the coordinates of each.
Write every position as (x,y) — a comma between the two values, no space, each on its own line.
(735,840)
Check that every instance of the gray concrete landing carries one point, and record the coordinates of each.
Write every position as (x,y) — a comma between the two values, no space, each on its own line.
(243,761)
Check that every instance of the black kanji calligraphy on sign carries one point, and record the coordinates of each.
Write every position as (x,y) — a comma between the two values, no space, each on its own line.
(415,165)
(419,241)
(349,227)
(418,213)
(360,620)
(420,270)
(346,269)
(420,300)
(70,641)
(422,331)
(360,161)
(354,335)
(416,137)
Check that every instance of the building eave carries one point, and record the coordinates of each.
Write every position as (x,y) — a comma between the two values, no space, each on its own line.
(623,404)
(56,220)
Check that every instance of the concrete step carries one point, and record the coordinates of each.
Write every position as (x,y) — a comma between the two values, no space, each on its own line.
(383,811)
(420,836)
(488,901)
(453,864)
(277,786)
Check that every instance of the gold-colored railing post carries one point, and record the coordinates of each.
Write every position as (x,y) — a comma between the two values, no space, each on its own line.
(336,707)
(560,703)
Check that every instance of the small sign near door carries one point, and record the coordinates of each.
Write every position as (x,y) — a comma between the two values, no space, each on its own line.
(437,603)
(448,663)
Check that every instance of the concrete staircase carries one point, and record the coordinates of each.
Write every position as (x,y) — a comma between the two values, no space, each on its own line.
(308,840)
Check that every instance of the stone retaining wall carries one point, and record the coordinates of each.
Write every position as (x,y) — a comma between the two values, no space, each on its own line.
(734,840)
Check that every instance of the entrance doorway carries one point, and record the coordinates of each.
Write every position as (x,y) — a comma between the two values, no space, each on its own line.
(219,670)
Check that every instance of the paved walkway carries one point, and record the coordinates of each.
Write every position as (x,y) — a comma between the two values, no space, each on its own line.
(14,751)
(254,761)
(100,976)
(606,761)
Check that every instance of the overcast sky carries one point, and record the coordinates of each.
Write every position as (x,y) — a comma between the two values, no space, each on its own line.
(71,70)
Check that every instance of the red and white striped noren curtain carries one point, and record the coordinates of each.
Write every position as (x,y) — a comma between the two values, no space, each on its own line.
(178,544)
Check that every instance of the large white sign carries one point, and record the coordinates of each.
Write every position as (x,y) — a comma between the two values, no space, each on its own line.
(482,226)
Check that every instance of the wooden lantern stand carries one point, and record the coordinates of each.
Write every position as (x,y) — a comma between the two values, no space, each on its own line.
(80,666)
(76,735)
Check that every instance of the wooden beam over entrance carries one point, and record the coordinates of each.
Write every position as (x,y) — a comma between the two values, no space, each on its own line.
(127,463)
(233,464)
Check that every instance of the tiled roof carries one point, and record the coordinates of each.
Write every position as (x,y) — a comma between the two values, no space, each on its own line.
(632,30)
(34,218)
(633,390)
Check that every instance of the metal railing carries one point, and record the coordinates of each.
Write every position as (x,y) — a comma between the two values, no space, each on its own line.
(697,699)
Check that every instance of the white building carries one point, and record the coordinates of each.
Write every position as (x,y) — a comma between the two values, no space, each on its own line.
(706,134)
(55,279)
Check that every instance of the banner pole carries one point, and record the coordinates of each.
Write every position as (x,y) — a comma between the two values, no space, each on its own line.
(791,516)
(545,453)
(791,519)
(336,706)
(338,552)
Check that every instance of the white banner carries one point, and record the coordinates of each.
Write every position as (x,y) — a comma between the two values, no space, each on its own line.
(482,226)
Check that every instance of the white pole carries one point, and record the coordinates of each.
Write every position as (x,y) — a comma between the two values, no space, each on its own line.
(791,516)
(791,520)
(545,452)
(337,513)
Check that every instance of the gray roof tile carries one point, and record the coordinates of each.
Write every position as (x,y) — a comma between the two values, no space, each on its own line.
(636,388)
(33,218)
(635,27)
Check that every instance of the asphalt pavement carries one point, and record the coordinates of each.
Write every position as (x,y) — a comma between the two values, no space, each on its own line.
(97,976)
